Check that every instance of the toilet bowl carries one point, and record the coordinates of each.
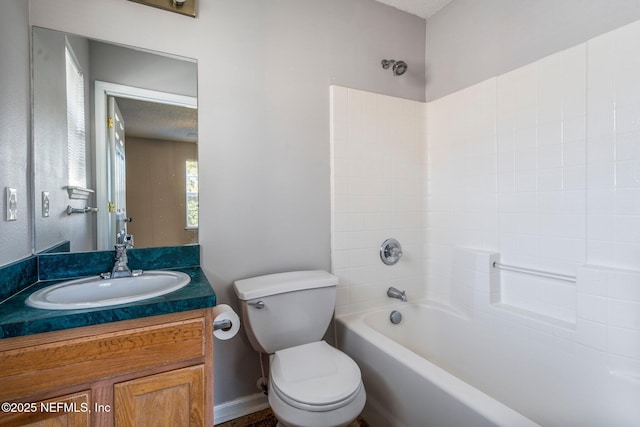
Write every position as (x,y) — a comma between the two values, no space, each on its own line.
(285,315)
(315,385)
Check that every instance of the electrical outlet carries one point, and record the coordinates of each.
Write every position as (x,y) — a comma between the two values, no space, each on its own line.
(45,204)
(12,204)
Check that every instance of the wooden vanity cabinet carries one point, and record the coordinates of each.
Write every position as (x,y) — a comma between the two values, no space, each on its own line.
(154,371)
(177,397)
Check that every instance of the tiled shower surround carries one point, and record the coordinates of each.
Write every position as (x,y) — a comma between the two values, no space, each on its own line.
(377,193)
(537,168)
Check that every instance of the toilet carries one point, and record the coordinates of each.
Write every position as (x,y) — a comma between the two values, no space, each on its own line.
(285,315)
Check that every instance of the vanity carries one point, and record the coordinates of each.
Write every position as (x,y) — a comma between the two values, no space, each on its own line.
(149,362)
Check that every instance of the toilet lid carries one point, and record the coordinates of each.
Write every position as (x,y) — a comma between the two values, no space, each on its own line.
(315,375)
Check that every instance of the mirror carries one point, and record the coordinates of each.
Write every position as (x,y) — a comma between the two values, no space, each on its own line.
(114,145)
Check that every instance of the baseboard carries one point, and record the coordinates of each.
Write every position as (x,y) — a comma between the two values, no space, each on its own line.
(239,408)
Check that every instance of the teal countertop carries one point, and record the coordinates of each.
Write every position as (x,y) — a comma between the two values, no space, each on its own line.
(18,319)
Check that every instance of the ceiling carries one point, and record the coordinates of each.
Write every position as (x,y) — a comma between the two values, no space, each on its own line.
(421,8)
(151,120)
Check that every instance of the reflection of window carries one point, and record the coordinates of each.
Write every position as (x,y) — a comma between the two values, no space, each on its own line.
(75,121)
(192,193)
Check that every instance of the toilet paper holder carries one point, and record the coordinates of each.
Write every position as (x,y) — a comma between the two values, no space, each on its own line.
(225,322)
(221,324)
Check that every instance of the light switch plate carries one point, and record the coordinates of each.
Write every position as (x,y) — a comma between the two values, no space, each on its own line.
(45,204)
(12,204)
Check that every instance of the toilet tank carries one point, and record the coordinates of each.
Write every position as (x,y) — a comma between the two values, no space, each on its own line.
(286,309)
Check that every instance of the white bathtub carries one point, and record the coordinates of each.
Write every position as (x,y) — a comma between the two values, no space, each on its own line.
(437,368)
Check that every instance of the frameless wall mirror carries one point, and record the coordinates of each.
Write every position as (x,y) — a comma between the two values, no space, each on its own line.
(115,145)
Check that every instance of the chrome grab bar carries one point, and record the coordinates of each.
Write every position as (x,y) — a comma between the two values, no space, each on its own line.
(534,272)
(86,209)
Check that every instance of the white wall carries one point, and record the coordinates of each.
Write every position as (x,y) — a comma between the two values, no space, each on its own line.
(14,128)
(469,41)
(264,70)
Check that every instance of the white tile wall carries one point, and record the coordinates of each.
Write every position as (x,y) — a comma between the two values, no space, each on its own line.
(377,186)
(609,314)
(539,167)
(566,167)
(606,329)
(613,149)
(541,110)
(461,201)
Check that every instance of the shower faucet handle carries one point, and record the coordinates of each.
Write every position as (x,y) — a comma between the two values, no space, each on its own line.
(394,252)
(390,251)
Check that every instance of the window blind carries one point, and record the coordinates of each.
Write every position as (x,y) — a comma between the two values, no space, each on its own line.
(75,121)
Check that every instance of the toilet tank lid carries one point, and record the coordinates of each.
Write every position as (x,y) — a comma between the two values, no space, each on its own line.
(279,283)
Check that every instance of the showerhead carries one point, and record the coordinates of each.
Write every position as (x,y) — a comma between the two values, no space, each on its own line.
(399,67)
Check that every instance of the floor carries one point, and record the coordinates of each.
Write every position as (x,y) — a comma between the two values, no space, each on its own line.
(265,418)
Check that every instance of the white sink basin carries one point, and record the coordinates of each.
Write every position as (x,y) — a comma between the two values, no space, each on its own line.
(93,291)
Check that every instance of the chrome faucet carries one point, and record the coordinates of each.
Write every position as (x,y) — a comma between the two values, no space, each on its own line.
(397,293)
(120,268)
(122,237)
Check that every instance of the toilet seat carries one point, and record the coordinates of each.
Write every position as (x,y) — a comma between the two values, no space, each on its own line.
(315,377)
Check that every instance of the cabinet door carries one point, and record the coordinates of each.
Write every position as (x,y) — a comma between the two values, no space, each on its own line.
(174,398)
(72,410)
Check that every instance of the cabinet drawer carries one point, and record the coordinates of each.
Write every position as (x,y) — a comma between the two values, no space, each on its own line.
(90,358)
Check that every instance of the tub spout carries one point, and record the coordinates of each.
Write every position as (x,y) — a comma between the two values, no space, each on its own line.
(397,293)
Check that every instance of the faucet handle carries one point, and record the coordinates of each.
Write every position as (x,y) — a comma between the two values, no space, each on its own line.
(121,249)
(395,252)
(390,251)
(128,240)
